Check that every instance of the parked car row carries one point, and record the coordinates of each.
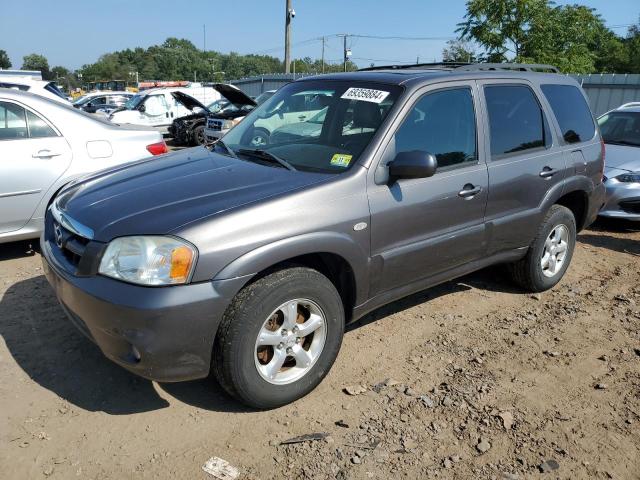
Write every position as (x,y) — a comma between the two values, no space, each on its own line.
(45,145)
(104,101)
(308,208)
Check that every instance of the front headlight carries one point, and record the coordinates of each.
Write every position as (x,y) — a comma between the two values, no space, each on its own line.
(149,260)
(633,177)
(227,124)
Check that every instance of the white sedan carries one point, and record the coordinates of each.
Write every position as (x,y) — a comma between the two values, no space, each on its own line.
(44,145)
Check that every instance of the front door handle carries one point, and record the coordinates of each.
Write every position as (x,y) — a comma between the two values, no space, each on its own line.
(302,117)
(45,154)
(469,191)
(547,172)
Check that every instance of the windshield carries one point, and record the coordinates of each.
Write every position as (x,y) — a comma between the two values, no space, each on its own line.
(621,128)
(218,105)
(82,100)
(319,126)
(134,101)
(263,97)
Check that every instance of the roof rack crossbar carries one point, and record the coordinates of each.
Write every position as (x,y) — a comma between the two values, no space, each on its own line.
(523,67)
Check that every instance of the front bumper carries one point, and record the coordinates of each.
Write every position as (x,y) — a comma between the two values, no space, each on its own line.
(623,200)
(160,333)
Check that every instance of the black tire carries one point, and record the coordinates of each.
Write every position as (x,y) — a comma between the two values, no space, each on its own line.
(235,345)
(197,136)
(528,272)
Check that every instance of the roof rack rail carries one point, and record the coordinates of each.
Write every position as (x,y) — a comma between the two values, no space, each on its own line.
(418,66)
(522,67)
(629,105)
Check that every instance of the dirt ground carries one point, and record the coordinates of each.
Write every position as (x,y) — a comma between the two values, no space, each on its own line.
(473,379)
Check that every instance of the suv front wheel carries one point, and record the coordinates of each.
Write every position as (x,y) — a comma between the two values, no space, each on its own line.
(550,252)
(279,337)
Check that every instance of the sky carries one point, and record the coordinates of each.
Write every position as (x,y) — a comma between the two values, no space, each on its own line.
(69,33)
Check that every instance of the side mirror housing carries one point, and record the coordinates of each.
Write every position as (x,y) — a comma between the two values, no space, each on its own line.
(142,108)
(413,164)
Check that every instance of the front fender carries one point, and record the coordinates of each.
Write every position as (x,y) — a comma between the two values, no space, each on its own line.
(271,254)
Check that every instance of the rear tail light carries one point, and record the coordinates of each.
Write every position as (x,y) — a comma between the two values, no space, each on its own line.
(157,148)
(603,151)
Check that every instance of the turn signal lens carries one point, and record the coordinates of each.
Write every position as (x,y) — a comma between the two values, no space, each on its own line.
(157,148)
(181,260)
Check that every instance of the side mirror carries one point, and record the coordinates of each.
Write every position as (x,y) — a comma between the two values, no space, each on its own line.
(142,108)
(413,164)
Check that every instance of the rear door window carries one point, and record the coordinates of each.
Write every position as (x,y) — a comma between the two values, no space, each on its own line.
(571,111)
(13,123)
(516,120)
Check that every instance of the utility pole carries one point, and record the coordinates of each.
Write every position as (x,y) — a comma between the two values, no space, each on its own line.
(323,54)
(289,13)
(344,44)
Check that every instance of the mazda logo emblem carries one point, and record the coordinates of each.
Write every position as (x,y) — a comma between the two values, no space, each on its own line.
(57,232)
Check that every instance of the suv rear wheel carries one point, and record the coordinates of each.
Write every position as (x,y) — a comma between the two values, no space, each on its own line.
(279,337)
(550,252)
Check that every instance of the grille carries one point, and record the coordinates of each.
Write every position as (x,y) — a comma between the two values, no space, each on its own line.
(71,246)
(215,125)
(71,243)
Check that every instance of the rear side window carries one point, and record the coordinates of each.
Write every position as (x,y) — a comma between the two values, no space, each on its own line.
(516,121)
(571,110)
(38,128)
(442,123)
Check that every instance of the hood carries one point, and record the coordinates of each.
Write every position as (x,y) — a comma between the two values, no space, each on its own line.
(234,95)
(189,118)
(623,157)
(161,194)
(188,101)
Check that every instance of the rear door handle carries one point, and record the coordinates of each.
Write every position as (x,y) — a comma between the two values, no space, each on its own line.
(469,191)
(302,117)
(547,172)
(45,154)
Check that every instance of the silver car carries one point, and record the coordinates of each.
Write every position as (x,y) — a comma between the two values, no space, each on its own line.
(44,145)
(621,133)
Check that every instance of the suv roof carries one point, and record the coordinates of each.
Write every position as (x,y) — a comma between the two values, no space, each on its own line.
(425,74)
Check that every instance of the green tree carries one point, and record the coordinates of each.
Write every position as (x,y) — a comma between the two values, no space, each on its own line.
(35,61)
(632,48)
(458,51)
(5,62)
(501,27)
(571,37)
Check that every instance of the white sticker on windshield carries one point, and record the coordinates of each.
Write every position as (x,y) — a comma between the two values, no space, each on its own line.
(365,94)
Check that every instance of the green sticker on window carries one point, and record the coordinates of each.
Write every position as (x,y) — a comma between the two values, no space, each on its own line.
(341,160)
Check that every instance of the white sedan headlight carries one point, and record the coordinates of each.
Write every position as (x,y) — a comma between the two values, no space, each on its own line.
(149,260)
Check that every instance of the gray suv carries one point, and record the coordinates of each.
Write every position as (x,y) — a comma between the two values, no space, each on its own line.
(248,262)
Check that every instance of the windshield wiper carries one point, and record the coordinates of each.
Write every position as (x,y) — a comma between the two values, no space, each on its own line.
(228,149)
(265,155)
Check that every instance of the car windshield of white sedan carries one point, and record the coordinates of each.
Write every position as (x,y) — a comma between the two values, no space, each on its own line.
(134,101)
(317,126)
(621,128)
